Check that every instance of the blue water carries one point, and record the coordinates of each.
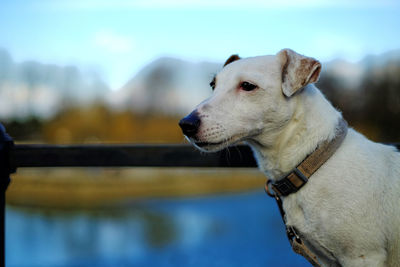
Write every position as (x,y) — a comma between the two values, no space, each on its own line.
(229,230)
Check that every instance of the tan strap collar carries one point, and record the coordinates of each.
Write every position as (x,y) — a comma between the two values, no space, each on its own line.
(299,176)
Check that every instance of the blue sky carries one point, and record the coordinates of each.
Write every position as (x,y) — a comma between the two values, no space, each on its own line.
(117,38)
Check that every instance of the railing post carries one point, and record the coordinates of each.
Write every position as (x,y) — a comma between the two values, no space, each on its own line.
(6,144)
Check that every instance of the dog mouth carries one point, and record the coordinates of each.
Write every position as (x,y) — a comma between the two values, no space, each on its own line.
(216,146)
(211,146)
(205,144)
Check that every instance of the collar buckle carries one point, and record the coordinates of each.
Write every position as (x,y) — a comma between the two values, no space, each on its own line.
(291,183)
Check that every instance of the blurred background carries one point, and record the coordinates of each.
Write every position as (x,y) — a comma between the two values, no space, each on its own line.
(125,72)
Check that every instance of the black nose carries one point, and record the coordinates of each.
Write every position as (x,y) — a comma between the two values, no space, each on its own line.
(190,124)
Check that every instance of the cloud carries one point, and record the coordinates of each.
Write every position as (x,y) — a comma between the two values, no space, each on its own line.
(113,42)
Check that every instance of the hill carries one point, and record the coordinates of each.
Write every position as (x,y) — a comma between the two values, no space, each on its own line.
(166,85)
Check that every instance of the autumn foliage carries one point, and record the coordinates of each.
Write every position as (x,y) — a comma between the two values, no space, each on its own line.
(97,123)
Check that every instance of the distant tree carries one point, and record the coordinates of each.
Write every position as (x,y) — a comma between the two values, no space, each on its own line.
(381,89)
(24,129)
(374,106)
(97,123)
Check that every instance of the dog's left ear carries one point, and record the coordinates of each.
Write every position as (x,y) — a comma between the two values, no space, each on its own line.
(297,71)
(231,59)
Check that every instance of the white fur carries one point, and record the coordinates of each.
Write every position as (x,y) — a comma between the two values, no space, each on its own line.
(349,212)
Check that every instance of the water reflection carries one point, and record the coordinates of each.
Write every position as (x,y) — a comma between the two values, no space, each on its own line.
(234,230)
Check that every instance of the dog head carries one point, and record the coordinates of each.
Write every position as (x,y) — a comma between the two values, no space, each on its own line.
(251,97)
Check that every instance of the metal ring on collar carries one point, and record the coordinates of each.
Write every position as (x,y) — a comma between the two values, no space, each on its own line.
(269,190)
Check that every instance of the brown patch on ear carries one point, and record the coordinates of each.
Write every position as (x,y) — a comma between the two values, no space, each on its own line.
(303,70)
(316,71)
(284,58)
(231,59)
(309,69)
(297,71)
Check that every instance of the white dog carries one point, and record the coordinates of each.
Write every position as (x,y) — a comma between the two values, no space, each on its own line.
(348,213)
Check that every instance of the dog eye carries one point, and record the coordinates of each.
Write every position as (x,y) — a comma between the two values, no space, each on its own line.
(212,83)
(246,86)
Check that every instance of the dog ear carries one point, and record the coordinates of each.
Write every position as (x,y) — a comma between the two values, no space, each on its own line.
(231,59)
(297,71)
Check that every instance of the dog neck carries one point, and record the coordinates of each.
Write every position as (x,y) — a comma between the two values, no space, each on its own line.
(313,121)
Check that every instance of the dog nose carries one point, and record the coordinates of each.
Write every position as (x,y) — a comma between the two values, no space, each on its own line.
(190,124)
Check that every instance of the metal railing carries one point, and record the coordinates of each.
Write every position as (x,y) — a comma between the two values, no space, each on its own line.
(139,155)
